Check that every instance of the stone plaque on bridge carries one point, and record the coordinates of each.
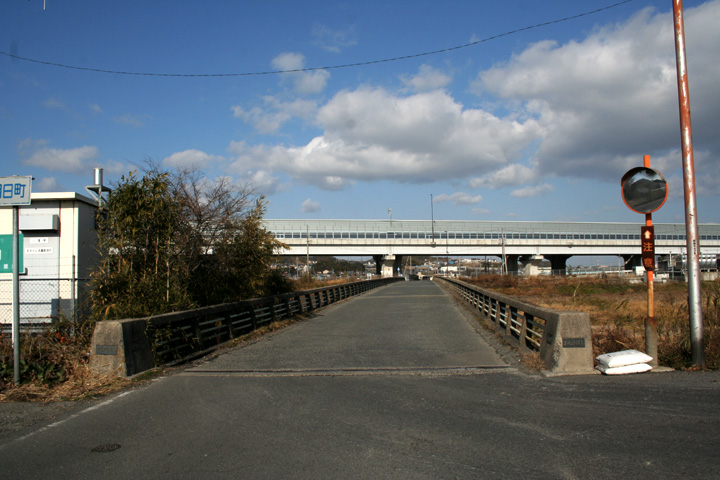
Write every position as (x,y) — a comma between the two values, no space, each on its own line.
(578,342)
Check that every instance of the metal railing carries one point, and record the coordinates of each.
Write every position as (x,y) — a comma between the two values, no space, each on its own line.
(517,319)
(562,338)
(182,336)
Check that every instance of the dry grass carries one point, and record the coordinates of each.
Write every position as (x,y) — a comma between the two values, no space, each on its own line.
(53,367)
(532,361)
(617,311)
(83,384)
(310,283)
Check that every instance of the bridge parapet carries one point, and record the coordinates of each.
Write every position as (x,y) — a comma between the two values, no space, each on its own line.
(128,347)
(563,338)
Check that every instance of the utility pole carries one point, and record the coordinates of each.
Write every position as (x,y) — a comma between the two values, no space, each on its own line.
(691,221)
(307,251)
(432,220)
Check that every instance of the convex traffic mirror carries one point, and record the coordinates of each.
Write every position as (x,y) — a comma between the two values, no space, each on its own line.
(644,190)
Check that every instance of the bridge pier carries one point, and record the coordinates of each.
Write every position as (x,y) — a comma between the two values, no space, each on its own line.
(557,263)
(532,264)
(512,263)
(632,261)
(387,265)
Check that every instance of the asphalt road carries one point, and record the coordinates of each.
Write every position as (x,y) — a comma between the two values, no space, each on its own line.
(396,383)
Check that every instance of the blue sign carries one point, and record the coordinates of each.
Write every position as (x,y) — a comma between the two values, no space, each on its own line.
(15,190)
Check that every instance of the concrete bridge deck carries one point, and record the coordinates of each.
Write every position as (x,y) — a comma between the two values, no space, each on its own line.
(396,383)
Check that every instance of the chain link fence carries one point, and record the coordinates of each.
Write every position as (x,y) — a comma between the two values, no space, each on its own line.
(45,297)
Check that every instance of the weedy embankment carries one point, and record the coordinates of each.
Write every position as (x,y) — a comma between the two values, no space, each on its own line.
(618,308)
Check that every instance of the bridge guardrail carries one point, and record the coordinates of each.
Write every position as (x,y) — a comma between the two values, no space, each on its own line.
(127,347)
(563,338)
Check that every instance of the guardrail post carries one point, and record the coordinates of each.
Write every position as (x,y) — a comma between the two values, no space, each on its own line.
(253,317)
(228,323)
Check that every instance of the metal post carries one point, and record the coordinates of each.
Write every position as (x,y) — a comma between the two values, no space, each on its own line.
(73,295)
(650,320)
(691,222)
(432,220)
(16,298)
(651,345)
(503,268)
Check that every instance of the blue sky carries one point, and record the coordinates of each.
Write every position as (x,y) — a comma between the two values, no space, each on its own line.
(535,125)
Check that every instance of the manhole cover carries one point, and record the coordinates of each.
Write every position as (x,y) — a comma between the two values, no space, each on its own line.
(108,447)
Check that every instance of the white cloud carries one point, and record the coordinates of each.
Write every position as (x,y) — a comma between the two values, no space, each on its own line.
(53,103)
(190,158)
(95,108)
(589,108)
(606,100)
(310,82)
(265,183)
(48,184)
(372,134)
(289,61)
(480,211)
(427,78)
(73,160)
(310,206)
(275,113)
(304,82)
(262,120)
(532,191)
(137,121)
(333,40)
(512,175)
(80,160)
(459,198)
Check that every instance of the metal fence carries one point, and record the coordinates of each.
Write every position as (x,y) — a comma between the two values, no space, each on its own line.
(178,336)
(563,339)
(523,322)
(43,300)
(128,347)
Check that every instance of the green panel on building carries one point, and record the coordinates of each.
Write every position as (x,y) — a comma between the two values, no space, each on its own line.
(6,242)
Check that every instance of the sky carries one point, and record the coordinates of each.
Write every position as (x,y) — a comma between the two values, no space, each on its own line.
(534,118)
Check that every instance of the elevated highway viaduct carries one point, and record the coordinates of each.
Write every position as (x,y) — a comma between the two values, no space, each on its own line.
(389,240)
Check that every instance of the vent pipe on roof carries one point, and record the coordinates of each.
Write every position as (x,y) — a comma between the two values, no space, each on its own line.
(98,188)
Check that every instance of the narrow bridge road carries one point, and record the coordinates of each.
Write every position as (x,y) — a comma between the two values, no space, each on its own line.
(395,383)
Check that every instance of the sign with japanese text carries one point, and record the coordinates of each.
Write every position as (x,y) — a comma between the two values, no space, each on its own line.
(15,190)
(647,237)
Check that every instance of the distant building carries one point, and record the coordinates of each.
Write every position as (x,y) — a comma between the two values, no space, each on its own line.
(58,253)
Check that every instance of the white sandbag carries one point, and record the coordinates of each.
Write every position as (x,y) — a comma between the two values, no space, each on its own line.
(622,358)
(625,369)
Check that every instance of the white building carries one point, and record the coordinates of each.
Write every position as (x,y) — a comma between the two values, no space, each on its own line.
(58,254)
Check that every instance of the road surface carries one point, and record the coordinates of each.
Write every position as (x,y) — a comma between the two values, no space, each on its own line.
(396,383)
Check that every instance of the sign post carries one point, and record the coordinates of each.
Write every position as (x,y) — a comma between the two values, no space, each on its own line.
(644,190)
(15,191)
